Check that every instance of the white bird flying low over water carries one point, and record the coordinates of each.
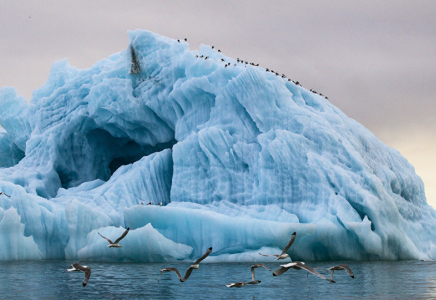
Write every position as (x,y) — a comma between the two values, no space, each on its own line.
(298,266)
(189,271)
(284,255)
(84,269)
(115,244)
(253,280)
(341,267)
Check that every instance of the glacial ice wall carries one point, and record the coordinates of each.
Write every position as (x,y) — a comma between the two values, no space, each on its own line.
(239,157)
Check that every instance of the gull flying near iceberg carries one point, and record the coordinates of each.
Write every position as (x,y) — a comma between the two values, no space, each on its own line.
(84,269)
(299,266)
(253,280)
(341,267)
(284,255)
(189,271)
(115,244)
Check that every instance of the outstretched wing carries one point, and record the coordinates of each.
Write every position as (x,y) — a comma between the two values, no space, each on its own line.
(290,243)
(312,271)
(187,274)
(280,271)
(1,193)
(269,255)
(203,257)
(121,237)
(347,268)
(110,242)
(284,268)
(257,266)
(169,270)
(87,275)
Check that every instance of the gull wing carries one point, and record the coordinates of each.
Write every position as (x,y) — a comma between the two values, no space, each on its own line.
(347,268)
(312,271)
(77,266)
(280,271)
(187,274)
(87,275)
(275,255)
(290,243)
(203,257)
(284,268)
(169,270)
(121,237)
(1,193)
(257,266)
(110,242)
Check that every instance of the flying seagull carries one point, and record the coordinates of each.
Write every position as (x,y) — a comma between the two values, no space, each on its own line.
(1,193)
(84,269)
(284,255)
(112,244)
(253,280)
(189,271)
(299,266)
(341,267)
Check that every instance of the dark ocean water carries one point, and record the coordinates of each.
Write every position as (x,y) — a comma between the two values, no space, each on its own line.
(373,280)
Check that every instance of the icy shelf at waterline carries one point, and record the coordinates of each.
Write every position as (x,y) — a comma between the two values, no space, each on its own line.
(239,157)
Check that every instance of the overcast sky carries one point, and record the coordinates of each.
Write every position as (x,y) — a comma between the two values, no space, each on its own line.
(375,60)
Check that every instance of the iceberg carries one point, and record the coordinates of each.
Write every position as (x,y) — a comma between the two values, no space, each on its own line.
(239,158)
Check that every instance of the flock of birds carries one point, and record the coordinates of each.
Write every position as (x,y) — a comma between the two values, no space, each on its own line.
(240,61)
(283,268)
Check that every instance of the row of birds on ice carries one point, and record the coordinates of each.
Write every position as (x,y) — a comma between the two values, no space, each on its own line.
(240,61)
(283,268)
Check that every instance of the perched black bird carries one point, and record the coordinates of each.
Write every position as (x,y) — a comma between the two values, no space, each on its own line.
(213,47)
(178,40)
(222,59)
(186,39)
(206,57)
(267,70)
(219,50)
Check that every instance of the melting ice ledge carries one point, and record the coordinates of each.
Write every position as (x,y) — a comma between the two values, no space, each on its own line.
(240,158)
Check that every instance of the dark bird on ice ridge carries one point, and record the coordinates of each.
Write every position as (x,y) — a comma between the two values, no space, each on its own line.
(115,244)
(189,271)
(284,255)
(84,269)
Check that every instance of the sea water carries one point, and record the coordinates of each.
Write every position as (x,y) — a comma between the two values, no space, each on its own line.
(373,280)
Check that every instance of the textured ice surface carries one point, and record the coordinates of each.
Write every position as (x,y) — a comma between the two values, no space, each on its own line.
(239,157)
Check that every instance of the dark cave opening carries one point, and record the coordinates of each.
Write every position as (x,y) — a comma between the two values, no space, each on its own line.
(98,155)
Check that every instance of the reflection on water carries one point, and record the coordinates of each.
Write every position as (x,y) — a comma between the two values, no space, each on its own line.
(381,280)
